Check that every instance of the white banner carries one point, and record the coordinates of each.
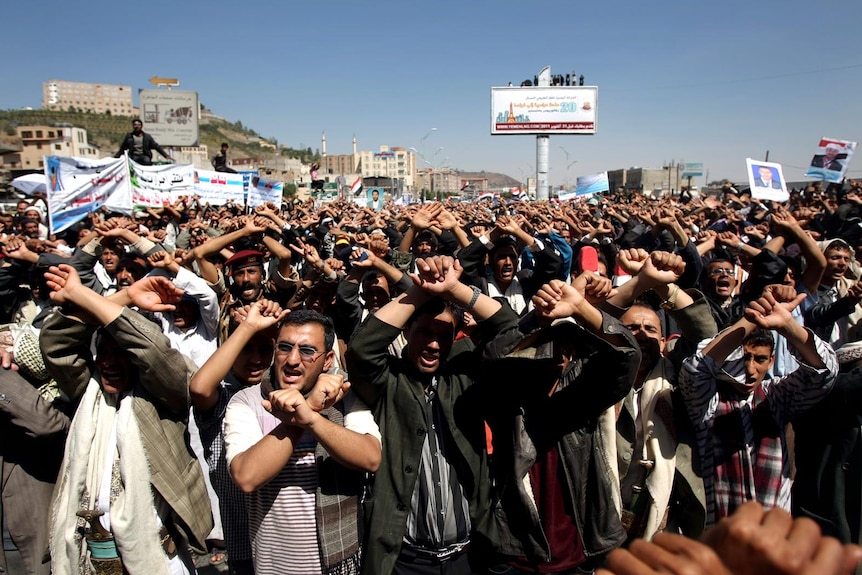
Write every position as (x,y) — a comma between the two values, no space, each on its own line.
(158,186)
(262,191)
(592,184)
(216,188)
(77,186)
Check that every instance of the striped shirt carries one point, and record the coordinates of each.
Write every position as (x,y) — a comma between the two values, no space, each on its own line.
(281,514)
(439,512)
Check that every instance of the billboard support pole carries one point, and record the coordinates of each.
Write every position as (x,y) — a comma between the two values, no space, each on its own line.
(542,147)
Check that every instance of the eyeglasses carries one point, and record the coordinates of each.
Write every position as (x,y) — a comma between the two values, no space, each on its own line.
(721,272)
(307,353)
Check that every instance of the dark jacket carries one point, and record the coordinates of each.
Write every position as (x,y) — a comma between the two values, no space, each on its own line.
(148,146)
(523,418)
(828,442)
(547,267)
(396,395)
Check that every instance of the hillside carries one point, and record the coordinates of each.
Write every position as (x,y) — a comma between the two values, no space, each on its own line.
(107,132)
(495,180)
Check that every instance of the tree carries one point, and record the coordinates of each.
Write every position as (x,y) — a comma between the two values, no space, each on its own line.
(289,190)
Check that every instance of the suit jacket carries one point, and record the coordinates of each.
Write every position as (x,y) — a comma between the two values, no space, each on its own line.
(162,411)
(775,185)
(149,144)
(32,434)
(819,161)
(391,388)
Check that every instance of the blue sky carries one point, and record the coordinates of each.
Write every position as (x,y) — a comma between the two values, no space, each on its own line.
(711,82)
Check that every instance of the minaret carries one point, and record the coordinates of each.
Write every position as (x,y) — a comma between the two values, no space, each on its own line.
(354,152)
(323,144)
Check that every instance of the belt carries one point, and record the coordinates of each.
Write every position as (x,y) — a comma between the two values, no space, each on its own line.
(167,542)
(413,553)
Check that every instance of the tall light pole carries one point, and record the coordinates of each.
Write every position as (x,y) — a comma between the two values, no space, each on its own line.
(421,154)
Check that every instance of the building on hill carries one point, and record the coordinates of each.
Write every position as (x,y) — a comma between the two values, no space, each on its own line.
(56,140)
(89,97)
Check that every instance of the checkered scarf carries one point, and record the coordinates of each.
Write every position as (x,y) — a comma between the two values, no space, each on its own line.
(748,454)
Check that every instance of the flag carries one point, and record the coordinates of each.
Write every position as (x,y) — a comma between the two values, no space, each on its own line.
(356,187)
(485,196)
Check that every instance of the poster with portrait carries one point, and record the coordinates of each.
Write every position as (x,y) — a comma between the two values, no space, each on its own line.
(374,199)
(831,159)
(766,181)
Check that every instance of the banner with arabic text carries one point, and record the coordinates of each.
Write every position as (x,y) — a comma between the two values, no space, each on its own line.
(217,188)
(158,186)
(78,186)
(262,191)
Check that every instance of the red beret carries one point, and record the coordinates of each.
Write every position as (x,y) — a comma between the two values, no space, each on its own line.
(245,258)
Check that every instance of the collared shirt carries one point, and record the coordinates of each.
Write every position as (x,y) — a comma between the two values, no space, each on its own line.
(439,512)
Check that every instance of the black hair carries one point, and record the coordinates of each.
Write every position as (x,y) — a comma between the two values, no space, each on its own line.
(760,337)
(306,316)
(434,307)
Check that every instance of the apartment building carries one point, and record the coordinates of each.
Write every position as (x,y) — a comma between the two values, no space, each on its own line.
(97,98)
(57,140)
(395,163)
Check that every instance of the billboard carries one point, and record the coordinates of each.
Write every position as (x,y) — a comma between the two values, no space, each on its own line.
(692,170)
(544,110)
(170,116)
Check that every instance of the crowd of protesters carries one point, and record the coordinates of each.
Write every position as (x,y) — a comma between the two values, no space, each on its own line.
(619,385)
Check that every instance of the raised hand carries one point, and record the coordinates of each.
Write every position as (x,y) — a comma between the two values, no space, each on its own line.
(556,299)
(263,314)
(446,220)
(154,293)
(63,281)
(160,259)
(328,390)
(632,260)
(662,268)
(768,313)
(437,275)
(594,287)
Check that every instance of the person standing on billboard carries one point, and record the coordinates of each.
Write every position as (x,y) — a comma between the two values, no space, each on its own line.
(140,145)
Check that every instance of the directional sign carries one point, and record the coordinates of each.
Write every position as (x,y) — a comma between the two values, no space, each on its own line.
(156,81)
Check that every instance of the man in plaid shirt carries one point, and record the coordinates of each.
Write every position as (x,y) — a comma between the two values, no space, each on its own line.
(740,412)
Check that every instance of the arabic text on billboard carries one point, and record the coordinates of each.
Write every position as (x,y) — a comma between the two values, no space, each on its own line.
(544,110)
(170,116)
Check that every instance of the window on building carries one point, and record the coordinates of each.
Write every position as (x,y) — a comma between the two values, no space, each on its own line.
(38,146)
(38,133)
(27,134)
(51,134)
(57,146)
(41,164)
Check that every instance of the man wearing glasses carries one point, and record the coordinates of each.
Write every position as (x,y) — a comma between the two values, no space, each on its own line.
(718,284)
(300,449)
